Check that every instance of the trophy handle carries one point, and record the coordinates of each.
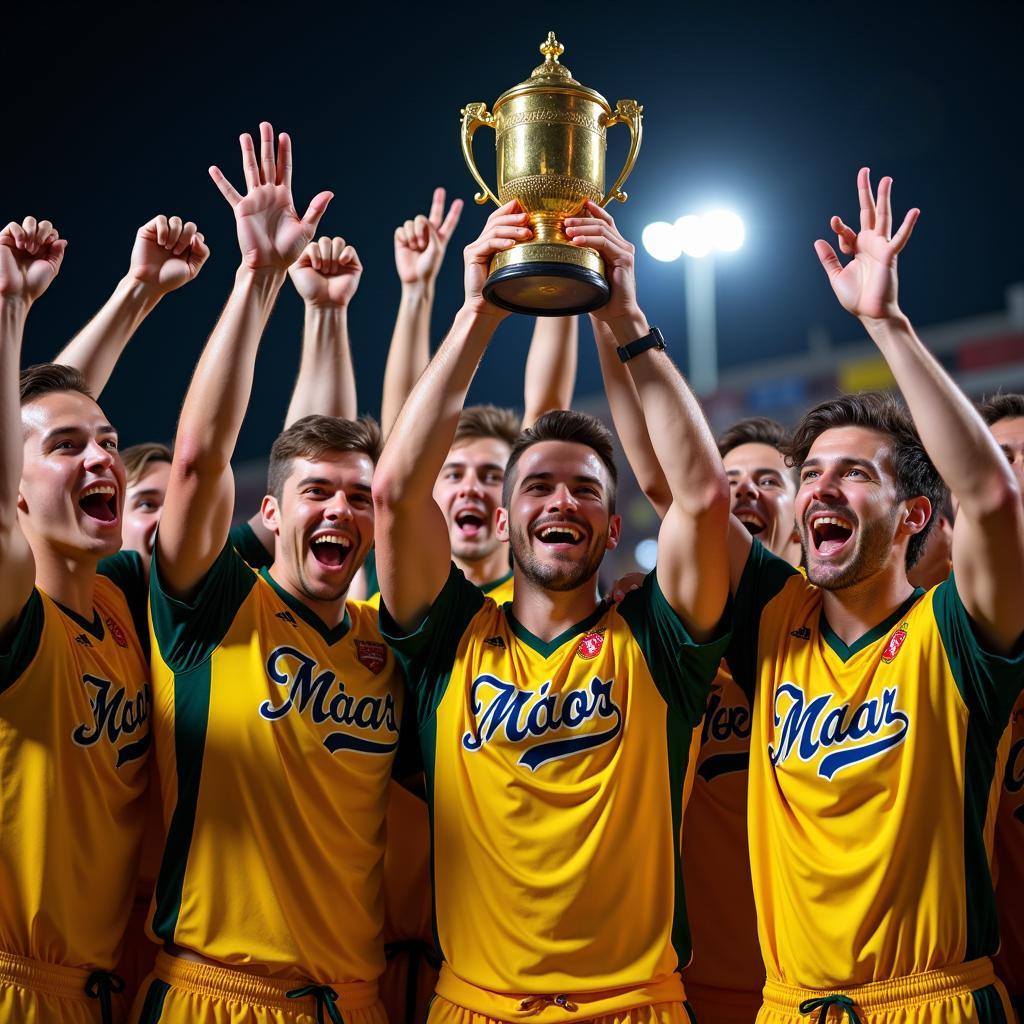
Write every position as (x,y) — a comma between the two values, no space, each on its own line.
(626,112)
(475,115)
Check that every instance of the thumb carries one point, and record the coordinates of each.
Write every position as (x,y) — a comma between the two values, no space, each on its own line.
(318,204)
(829,259)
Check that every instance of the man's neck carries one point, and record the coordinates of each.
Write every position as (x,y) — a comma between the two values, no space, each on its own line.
(330,613)
(549,613)
(69,580)
(485,570)
(856,610)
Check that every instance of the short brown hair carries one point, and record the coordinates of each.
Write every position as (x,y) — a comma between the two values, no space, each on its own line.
(994,408)
(565,425)
(313,436)
(139,457)
(478,421)
(754,430)
(45,378)
(885,413)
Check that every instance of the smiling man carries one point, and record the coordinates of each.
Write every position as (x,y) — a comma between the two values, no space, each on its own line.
(277,703)
(74,683)
(553,724)
(880,712)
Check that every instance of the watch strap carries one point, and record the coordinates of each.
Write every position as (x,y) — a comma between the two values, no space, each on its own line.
(652,339)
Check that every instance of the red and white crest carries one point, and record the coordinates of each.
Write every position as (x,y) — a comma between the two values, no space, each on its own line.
(892,648)
(116,631)
(371,655)
(590,646)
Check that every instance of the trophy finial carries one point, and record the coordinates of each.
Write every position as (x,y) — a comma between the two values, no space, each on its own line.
(552,49)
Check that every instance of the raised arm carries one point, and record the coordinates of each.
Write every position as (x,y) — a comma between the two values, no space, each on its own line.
(326,275)
(30,256)
(550,366)
(988,536)
(692,558)
(420,245)
(413,549)
(167,254)
(200,494)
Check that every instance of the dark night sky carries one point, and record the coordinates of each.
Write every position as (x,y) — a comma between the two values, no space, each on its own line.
(110,119)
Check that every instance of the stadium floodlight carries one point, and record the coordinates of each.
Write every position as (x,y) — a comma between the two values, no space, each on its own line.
(661,240)
(645,554)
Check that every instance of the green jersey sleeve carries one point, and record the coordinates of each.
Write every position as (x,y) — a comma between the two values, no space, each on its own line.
(19,648)
(989,683)
(682,669)
(127,572)
(188,632)
(244,540)
(427,655)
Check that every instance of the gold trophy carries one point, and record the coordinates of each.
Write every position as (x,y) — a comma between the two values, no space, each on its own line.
(550,134)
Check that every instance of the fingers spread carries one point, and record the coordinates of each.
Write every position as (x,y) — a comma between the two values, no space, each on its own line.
(883,211)
(268,165)
(902,236)
(447,228)
(250,167)
(284,160)
(867,201)
(227,190)
(318,204)
(437,207)
(829,259)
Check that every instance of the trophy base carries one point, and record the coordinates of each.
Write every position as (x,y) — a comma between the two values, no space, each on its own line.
(547,287)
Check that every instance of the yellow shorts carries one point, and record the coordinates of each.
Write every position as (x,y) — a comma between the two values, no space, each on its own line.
(33,992)
(182,992)
(723,1006)
(968,992)
(660,1002)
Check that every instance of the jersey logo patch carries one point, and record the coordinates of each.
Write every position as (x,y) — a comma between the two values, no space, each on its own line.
(590,646)
(524,715)
(371,655)
(116,631)
(892,648)
(495,641)
(802,633)
(286,617)
(324,697)
(115,717)
(858,734)
(83,641)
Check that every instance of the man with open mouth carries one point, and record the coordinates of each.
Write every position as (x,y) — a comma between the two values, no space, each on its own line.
(551,726)
(880,710)
(74,678)
(276,702)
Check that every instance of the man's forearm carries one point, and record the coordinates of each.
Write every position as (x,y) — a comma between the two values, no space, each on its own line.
(550,366)
(219,394)
(96,348)
(409,352)
(13,313)
(326,384)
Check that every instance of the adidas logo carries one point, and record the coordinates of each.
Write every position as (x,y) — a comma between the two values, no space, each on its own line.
(83,641)
(495,641)
(287,617)
(803,633)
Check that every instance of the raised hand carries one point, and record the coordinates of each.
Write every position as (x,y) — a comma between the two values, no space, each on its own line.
(595,228)
(506,226)
(867,285)
(420,244)
(30,256)
(271,234)
(167,253)
(327,273)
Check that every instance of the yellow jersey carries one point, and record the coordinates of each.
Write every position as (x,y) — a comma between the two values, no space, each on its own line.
(74,752)
(1010,861)
(874,779)
(555,773)
(499,591)
(275,738)
(716,861)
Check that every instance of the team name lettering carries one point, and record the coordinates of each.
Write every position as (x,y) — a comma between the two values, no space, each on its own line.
(522,715)
(325,698)
(722,724)
(812,726)
(115,716)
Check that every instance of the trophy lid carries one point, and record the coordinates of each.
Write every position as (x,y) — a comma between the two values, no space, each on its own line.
(551,77)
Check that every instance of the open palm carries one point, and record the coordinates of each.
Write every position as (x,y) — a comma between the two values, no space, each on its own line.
(30,257)
(271,235)
(868,286)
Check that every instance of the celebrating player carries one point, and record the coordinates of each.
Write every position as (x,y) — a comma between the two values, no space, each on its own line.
(74,690)
(278,705)
(553,725)
(879,709)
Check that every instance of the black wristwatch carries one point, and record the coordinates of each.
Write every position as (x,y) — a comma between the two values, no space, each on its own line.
(653,339)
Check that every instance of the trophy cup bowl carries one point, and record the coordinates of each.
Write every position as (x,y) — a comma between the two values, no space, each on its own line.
(551,137)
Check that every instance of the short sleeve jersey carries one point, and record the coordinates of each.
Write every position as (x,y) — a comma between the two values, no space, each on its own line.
(874,778)
(1010,860)
(499,591)
(275,740)
(716,861)
(555,772)
(74,746)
